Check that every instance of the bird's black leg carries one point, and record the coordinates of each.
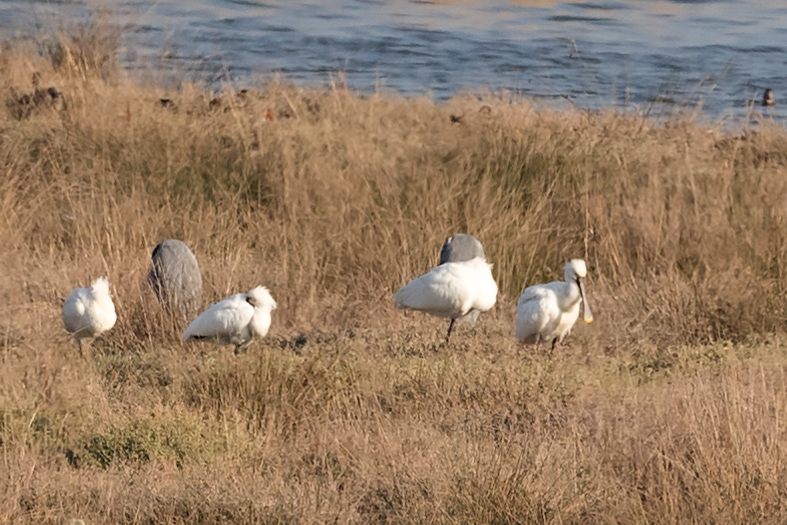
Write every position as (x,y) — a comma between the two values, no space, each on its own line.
(450,327)
(242,347)
(554,344)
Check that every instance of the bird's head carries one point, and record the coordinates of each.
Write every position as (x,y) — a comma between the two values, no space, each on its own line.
(575,269)
(260,297)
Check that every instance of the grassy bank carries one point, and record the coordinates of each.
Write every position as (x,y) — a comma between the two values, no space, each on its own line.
(669,408)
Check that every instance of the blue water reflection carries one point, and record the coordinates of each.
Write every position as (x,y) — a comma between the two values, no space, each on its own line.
(654,54)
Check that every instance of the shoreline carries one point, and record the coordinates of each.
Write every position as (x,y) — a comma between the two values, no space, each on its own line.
(173,64)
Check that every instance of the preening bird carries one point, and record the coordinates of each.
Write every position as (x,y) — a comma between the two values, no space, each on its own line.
(234,320)
(89,312)
(462,247)
(175,278)
(451,290)
(547,312)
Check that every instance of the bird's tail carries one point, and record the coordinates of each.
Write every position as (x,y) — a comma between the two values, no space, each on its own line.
(101,286)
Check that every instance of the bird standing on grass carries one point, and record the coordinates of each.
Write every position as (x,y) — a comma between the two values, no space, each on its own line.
(459,248)
(234,320)
(547,312)
(89,312)
(451,290)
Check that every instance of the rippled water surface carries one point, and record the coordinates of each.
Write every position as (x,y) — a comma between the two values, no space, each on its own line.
(655,54)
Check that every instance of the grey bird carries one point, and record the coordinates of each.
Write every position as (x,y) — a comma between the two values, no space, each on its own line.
(462,247)
(176,279)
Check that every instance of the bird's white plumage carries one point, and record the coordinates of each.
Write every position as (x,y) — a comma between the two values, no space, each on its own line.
(451,290)
(234,320)
(228,321)
(458,248)
(547,312)
(89,312)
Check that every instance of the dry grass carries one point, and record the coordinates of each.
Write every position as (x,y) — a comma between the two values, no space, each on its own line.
(670,408)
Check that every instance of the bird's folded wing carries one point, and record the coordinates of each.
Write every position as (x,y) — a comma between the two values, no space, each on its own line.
(533,293)
(539,309)
(535,311)
(435,291)
(223,318)
(73,310)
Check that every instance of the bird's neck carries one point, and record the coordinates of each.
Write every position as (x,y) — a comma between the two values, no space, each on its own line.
(572,297)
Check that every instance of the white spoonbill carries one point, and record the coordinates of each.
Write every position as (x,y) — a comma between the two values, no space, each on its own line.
(234,320)
(462,247)
(89,312)
(451,290)
(546,312)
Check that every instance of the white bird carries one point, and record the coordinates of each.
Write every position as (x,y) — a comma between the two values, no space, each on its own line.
(458,248)
(89,312)
(547,312)
(451,290)
(234,320)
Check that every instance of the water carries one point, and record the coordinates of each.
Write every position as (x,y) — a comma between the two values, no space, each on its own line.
(655,55)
